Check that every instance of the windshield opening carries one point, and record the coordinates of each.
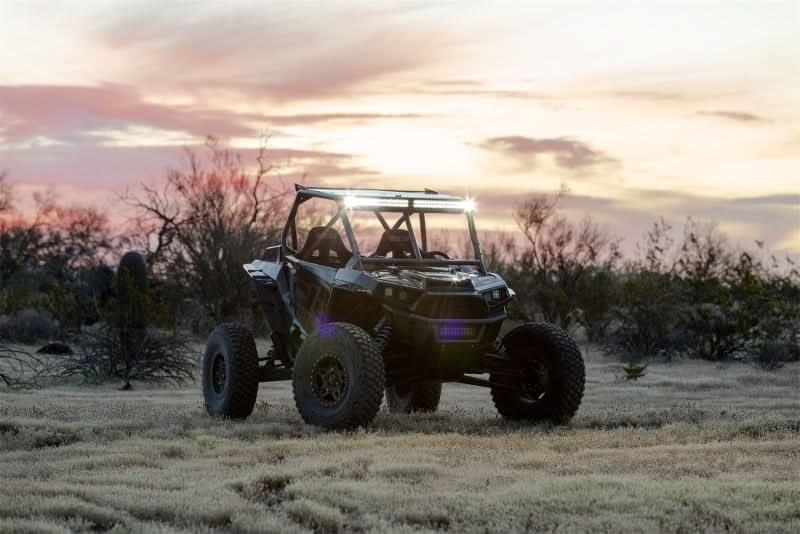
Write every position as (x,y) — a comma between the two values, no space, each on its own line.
(431,238)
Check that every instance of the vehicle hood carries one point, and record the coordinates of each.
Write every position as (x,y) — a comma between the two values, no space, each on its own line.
(438,279)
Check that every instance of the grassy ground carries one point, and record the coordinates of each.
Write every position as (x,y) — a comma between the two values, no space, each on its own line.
(690,447)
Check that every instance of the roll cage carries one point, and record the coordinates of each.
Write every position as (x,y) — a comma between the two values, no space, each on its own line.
(380,202)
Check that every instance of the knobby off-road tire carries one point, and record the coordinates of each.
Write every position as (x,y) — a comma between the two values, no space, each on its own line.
(418,397)
(230,372)
(541,349)
(338,377)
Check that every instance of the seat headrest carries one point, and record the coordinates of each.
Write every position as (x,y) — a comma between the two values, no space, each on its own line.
(397,241)
(325,246)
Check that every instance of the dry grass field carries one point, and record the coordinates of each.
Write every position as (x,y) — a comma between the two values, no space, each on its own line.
(690,447)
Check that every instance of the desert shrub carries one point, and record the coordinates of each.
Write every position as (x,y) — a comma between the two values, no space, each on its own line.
(597,294)
(644,323)
(716,321)
(124,346)
(104,353)
(704,300)
(18,369)
(772,354)
(27,326)
(773,299)
(735,305)
(720,329)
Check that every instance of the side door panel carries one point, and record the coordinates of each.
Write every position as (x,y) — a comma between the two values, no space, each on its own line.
(313,284)
(274,285)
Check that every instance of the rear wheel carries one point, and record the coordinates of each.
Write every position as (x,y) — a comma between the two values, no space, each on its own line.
(230,372)
(544,377)
(338,377)
(414,397)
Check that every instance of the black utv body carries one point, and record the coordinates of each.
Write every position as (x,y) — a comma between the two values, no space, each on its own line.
(347,325)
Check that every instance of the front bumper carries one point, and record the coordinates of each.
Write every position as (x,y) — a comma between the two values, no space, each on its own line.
(445,347)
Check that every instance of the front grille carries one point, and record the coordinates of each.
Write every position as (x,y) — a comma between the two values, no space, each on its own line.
(448,283)
(452,306)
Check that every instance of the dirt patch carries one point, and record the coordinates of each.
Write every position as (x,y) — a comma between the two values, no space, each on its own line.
(57,439)
(316,516)
(9,428)
(267,489)
(433,521)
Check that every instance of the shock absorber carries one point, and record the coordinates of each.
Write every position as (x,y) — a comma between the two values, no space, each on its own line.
(382,332)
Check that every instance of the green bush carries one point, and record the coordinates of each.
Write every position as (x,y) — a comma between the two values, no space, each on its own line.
(704,301)
(644,321)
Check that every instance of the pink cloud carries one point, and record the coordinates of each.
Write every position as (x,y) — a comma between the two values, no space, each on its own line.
(66,110)
(282,54)
(116,168)
(568,153)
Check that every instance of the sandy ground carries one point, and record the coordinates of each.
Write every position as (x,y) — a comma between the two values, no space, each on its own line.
(689,447)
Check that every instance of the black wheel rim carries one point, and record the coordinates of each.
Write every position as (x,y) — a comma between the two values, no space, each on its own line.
(329,381)
(218,374)
(535,382)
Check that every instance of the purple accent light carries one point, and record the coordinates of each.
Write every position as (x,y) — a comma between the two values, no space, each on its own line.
(455,329)
(319,323)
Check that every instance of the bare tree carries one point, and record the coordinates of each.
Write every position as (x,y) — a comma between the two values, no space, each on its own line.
(559,260)
(61,238)
(208,219)
(655,253)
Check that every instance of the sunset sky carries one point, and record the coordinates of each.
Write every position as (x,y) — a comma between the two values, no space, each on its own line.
(641,109)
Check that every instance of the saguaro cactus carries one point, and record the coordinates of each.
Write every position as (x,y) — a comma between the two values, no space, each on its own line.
(131,313)
(132,292)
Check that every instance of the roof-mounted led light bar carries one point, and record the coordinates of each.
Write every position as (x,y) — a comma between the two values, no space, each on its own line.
(351,202)
(364,202)
(463,205)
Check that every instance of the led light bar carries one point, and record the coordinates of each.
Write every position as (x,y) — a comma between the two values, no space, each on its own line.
(362,202)
(465,205)
(351,202)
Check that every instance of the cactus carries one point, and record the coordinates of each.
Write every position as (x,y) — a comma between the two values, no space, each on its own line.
(132,292)
(633,371)
(131,314)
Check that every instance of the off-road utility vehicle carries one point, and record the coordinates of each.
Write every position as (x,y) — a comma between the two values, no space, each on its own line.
(366,293)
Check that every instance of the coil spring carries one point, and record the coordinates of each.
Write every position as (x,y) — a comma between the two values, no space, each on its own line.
(382,333)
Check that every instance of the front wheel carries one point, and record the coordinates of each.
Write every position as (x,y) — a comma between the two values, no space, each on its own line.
(230,372)
(416,397)
(338,377)
(544,377)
